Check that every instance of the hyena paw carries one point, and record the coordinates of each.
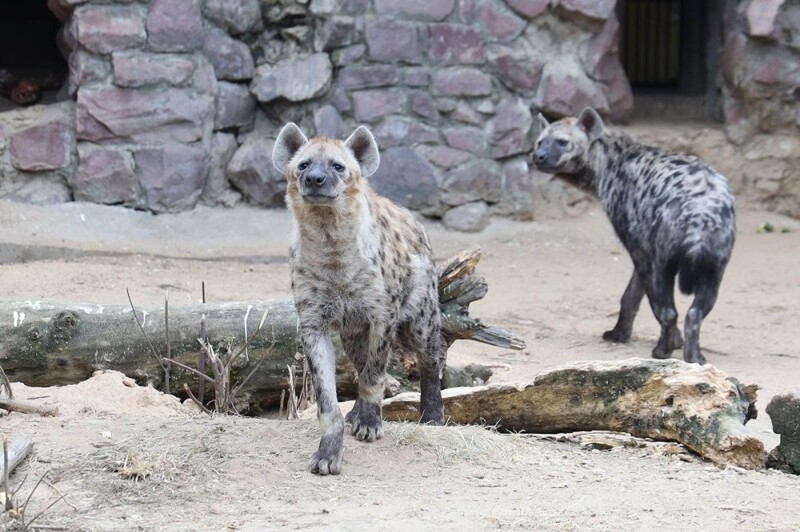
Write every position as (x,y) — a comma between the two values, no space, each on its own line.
(328,458)
(616,335)
(697,358)
(365,422)
(432,411)
(661,353)
(676,340)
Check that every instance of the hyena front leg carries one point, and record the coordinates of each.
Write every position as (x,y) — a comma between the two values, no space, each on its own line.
(368,348)
(322,361)
(662,301)
(628,307)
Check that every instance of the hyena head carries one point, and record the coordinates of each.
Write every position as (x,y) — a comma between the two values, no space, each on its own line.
(562,147)
(323,171)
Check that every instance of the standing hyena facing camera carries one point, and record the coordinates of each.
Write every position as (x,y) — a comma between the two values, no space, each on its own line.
(361,266)
(673,213)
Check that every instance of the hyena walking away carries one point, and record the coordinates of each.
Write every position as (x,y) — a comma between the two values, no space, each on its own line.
(673,213)
(362,266)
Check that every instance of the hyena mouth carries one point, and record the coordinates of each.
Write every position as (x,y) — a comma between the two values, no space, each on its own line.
(315,197)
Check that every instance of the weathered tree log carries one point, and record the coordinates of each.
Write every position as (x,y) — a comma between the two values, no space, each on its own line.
(17,449)
(45,344)
(27,407)
(666,400)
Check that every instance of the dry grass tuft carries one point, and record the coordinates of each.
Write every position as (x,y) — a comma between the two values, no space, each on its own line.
(474,444)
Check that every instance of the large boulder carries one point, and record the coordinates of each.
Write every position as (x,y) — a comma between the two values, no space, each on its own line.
(174,25)
(172,176)
(236,107)
(105,175)
(232,59)
(408,179)
(251,171)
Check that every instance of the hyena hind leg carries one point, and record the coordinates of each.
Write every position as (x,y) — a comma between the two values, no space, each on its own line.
(662,301)
(423,337)
(703,302)
(369,354)
(628,307)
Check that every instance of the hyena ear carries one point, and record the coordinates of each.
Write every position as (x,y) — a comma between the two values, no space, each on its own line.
(591,123)
(289,140)
(365,150)
(541,123)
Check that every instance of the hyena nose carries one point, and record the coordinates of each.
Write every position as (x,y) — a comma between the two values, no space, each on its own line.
(540,156)
(315,180)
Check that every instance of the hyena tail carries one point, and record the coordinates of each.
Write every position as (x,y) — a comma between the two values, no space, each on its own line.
(697,268)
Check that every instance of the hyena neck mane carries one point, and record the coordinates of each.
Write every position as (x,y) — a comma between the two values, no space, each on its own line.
(607,158)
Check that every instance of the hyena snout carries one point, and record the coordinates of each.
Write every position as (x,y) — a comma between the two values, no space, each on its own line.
(316,185)
(549,155)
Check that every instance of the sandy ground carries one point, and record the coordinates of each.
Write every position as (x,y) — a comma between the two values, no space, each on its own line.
(127,458)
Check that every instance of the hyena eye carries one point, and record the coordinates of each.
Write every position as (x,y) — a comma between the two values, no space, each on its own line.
(303,165)
(338,167)
(562,142)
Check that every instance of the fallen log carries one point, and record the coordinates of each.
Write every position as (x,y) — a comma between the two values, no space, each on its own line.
(46,344)
(664,400)
(27,407)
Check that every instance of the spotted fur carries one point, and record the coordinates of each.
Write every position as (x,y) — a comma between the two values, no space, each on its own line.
(673,213)
(361,266)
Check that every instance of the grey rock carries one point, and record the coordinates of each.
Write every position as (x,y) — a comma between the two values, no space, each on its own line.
(399,131)
(529,9)
(205,81)
(362,77)
(416,77)
(445,157)
(296,79)
(350,54)
(423,105)
(394,41)
(105,175)
(172,176)
(496,20)
(217,190)
(135,69)
(419,9)
(236,107)
(335,32)
(466,138)
(466,183)
(467,218)
(86,68)
(231,59)
(592,9)
(565,91)
(251,171)
(37,189)
(517,190)
(174,25)
(784,411)
(328,122)
(516,69)
(405,177)
(236,16)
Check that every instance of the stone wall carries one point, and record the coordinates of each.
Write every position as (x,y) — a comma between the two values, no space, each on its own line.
(761,95)
(171,102)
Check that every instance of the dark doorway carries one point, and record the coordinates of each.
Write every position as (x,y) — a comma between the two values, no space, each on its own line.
(28,50)
(669,50)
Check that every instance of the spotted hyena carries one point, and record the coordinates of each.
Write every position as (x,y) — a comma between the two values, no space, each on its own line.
(673,213)
(362,266)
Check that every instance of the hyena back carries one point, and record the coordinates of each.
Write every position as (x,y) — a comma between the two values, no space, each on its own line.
(362,266)
(673,213)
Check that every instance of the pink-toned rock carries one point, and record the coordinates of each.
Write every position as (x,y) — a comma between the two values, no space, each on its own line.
(565,92)
(139,115)
(105,28)
(515,69)
(297,79)
(509,129)
(236,16)
(363,77)
(399,131)
(217,190)
(419,9)
(369,105)
(602,50)
(408,179)
(335,32)
(461,81)
(497,21)
(466,183)
(389,40)
(733,54)
(86,68)
(174,25)
(445,157)
(136,69)
(761,17)
(620,95)
(468,218)
(528,8)
(205,81)
(41,147)
(171,175)
(105,176)
(470,139)
(453,44)
(328,122)
(594,9)
(516,189)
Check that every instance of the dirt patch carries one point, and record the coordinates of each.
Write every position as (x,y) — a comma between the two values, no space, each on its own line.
(129,461)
